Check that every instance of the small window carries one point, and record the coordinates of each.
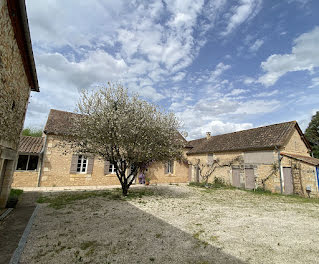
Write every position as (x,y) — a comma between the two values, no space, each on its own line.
(112,169)
(82,164)
(27,162)
(170,167)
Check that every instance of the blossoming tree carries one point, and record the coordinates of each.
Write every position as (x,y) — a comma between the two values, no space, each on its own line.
(126,130)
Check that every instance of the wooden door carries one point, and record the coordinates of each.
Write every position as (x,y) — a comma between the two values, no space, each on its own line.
(250,179)
(288,183)
(236,177)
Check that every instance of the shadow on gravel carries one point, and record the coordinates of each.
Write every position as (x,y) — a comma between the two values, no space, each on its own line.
(12,227)
(113,231)
(59,200)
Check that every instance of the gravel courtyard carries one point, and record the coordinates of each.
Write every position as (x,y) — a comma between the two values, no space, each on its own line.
(175,224)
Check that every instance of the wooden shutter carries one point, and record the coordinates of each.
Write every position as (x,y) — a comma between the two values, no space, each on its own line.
(172,166)
(106,167)
(74,163)
(190,169)
(90,165)
(165,168)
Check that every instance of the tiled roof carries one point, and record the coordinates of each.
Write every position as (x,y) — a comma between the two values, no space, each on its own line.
(306,159)
(265,137)
(60,122)
(31,144)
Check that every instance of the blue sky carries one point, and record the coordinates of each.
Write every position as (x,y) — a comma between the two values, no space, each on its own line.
(220,65)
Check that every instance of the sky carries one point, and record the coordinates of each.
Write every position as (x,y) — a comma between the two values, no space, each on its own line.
(219,65)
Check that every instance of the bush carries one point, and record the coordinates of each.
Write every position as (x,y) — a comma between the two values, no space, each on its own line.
(218,183)
(13,198)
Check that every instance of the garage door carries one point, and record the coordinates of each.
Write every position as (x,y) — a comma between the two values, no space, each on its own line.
(236,177)
(288,184)
(250,179)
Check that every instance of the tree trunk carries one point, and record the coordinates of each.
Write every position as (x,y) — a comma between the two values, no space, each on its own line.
(125,187)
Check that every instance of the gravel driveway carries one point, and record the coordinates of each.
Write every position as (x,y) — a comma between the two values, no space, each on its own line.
(177,224)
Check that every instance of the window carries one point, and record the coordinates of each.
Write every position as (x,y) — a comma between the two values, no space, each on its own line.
(170,166)
(82,164)
(112,169)
(27,162)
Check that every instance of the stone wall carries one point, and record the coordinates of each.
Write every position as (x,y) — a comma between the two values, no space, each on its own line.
(157,174)
(304,175)
(15,91)
(57,163)
(25,179)
(296,145)
(14,86)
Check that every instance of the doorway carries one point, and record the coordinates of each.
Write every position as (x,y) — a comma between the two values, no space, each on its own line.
(250,178)
(236,177)
(288,182)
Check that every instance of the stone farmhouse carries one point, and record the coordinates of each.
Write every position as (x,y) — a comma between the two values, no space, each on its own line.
(275,158)
(43,163)
(17,79)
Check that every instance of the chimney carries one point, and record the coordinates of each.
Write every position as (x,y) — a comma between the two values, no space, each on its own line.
(208,135)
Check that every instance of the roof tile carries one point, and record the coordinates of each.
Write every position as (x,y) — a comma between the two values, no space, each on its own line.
(31,144)
(306,159)
(256,138)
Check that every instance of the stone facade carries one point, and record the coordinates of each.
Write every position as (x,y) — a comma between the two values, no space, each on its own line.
(265,166)
(57,164)
(296,145)
(15,90)
(25,179)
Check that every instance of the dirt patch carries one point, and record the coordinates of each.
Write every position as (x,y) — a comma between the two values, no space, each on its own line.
(177,224)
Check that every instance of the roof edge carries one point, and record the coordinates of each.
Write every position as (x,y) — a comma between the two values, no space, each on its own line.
(19,20)
(242,130)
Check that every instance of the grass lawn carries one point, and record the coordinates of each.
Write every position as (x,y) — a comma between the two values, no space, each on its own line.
(174,224)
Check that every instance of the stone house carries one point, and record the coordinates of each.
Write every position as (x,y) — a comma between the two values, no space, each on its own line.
(17,79)
(57,166)
(275,157)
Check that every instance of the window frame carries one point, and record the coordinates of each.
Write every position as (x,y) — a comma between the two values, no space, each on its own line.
(112,169)
(27,165)
(83,157)
(170,166)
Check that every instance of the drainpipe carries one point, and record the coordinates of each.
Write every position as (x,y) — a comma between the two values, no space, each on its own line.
(279,164)
(41,158)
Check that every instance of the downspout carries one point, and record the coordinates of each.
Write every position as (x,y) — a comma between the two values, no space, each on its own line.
(317,176)
(41,158)
(279,164)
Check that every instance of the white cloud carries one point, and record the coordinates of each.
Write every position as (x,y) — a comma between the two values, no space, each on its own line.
(304,57)
(315,82)
(97,67)
(249,80)
(256,46)
(213,114)
(267,94)
(219,70)
(237,92)
(254,107)
(179,76)
(217,127)
(247,10)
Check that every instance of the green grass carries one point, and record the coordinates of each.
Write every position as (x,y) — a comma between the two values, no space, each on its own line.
(59,201)
(211,186)
(294,198)
(15,193)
